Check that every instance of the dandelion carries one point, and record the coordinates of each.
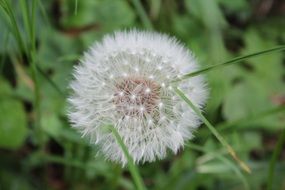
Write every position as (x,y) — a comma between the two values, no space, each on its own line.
(126,81)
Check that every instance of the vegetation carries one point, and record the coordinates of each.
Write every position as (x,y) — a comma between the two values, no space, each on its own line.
(240,46)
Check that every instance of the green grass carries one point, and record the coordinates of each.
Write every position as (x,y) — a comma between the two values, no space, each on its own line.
(245,112)
(29,48)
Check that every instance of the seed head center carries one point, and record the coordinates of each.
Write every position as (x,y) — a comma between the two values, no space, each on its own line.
(136,96)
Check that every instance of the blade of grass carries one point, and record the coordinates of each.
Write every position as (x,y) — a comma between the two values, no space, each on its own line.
(70,57)
(223,159)
(33,66)
(12,24)
(3,58)
(68,162)
(44,14)
(213,130)
(221,152)
(132,167)
(232,61)
(29,50)
(239,122)
(142,14)
(27,23)
(276,153)
(53,84)
(22,74)
(33,26)
(76,7)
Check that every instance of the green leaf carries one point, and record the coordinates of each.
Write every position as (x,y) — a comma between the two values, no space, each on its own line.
(248,98)
(243,100)
(51,124)
(242,6)
(208,11)
(13,121)
(268,68)
(261,86)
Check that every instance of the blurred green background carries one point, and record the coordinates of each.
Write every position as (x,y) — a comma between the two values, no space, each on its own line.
(41,41)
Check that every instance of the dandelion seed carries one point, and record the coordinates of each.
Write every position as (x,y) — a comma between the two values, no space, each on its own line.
(144,108)
(147,90)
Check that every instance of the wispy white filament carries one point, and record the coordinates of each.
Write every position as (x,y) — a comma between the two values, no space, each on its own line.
(125,81)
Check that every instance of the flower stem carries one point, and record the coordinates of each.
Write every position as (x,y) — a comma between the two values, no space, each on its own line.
(213,130)
(133,169)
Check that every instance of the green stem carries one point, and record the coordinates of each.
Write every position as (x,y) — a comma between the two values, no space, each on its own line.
(213,130)
(276,153)
(142,14)
(133,169)
(235,60)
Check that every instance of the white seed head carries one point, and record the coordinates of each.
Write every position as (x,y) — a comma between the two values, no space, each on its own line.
(125,81)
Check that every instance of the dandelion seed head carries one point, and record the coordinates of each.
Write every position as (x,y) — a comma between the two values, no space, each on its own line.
(125,80)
